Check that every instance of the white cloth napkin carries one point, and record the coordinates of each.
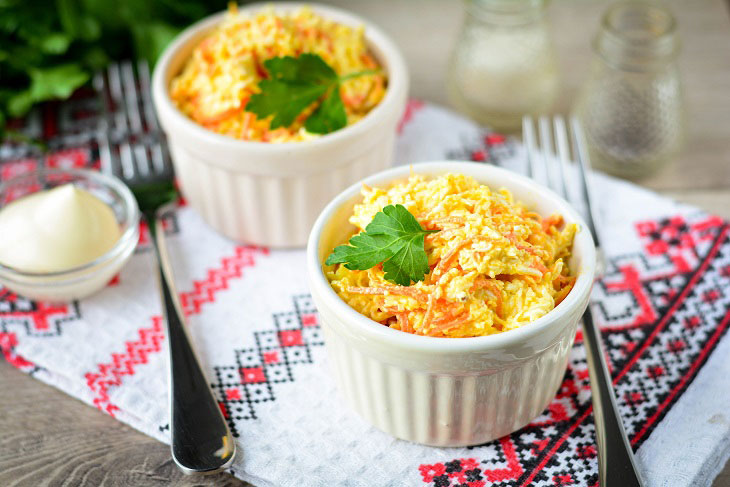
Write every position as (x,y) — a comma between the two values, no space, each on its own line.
(664,305)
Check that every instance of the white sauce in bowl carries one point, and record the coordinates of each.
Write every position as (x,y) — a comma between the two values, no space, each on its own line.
(56,230)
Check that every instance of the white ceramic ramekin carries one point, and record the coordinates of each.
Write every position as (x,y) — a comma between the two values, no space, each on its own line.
(270,194)
(447,391)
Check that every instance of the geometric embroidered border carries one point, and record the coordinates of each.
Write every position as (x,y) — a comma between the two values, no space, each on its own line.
(661,313)
(271,361)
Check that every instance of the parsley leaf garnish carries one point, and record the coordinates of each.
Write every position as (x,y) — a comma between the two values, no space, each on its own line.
(330,115)
(294,84)
(396,239)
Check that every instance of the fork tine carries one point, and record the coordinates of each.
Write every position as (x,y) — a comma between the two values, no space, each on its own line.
(546,151)
(114,83)
(563,150)
(107,158)
(528,136)
(161,161)
(158,158)
(127,157)
(102,91)
(98,81)
(131,100)
(143,72)
(131,145)
(166,160)
(579,148)
(109,164)
(142,159)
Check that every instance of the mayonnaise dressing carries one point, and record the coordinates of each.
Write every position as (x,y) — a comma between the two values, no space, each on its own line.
(56,230)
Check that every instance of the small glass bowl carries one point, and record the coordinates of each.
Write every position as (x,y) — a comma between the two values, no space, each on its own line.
(81,281)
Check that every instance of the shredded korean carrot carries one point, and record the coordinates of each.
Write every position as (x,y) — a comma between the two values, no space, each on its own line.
(429,312)
(493,288)
(451,219)
(442,234)
(384,290)
(562,280)
(551,221)
(247,121)
(368,61)
(403,322)
(563,293)
(448,321)
(539,266)
(218,117)
(515,241)
(446,260)
(352,100)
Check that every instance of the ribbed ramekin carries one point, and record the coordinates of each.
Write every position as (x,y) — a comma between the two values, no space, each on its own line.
(447,391)
(270,194)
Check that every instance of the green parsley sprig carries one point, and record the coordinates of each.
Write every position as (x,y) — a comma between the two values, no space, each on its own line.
(49,48)
(396,239)
(295,83)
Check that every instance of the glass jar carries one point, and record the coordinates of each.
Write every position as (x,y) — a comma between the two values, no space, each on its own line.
(632,107)
(503,65)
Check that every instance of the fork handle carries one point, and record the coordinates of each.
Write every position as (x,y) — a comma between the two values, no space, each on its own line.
(616,466)
(201,440)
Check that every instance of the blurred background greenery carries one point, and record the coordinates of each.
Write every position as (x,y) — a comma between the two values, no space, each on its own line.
(48,48)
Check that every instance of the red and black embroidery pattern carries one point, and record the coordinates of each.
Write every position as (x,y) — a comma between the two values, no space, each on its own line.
(22,317)
(272,360)
(33,318)
(488,147)
(125,362)
(662,312)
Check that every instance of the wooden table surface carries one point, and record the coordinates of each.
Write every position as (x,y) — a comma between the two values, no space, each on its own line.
(48,438)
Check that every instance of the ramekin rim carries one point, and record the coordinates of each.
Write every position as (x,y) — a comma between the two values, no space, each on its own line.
(397,83)
(363,325)
(121,246)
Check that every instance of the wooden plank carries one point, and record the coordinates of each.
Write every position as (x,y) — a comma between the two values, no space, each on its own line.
(714,201)
(51,439)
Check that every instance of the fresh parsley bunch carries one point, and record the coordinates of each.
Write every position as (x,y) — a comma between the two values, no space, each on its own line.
(294,84)
(396,239)
(49,48)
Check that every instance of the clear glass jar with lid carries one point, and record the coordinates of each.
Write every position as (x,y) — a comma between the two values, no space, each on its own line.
(632,107)
(503,66)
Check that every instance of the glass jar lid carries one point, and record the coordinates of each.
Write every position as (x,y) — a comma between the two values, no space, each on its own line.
(506,12)
(637,36)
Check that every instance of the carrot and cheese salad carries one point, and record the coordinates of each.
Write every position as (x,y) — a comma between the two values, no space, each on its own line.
(226,69)
(493,265)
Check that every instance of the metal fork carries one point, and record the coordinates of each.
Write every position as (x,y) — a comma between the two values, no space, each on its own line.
(616,466)
(132,147)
